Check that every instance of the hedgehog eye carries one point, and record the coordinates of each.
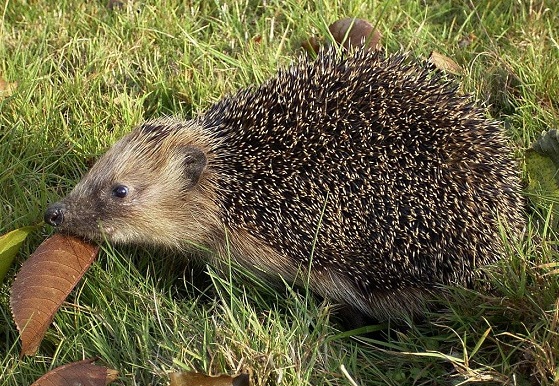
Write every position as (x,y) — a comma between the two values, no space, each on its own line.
(120,191)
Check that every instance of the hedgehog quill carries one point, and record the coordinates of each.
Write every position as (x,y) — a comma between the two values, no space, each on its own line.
(369,173)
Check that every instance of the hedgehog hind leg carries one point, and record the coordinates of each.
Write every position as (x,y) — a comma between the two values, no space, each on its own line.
(397,310)
(352,318)
(403,305)
(366,306)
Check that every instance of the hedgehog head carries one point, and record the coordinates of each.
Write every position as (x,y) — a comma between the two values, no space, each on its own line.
(149,188)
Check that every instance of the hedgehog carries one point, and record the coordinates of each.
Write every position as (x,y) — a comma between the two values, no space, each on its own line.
(367,174)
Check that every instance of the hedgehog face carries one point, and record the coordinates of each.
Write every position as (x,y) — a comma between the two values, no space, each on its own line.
(145,190)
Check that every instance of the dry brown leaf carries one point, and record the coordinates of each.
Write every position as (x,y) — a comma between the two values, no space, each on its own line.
(312,45)
(349,32)
(355,33)
(43,283)
(444,63)
(83,373)
(198,379)
(115,4)
(467,40)
(6,88)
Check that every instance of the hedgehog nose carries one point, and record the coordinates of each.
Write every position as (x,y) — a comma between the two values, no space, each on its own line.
(54,214)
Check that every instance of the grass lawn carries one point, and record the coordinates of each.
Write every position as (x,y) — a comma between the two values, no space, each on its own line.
(83,73)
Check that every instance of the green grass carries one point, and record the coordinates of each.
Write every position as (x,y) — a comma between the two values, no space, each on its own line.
(87,74)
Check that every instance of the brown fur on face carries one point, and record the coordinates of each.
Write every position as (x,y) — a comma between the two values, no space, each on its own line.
(170,201)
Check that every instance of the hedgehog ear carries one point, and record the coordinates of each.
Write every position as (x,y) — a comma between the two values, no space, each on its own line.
(194,162)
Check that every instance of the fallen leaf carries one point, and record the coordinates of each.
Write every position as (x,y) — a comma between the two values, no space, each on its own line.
(467,40)
(542,162)
(355,33)
(115,4)
(43,283)
(444,63)
(6,88)
(349,32)
(198,379)
(548,145)
(82,373)
(312,45)
(10,243)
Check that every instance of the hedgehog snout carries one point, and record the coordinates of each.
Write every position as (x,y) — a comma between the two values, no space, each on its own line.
(54,215)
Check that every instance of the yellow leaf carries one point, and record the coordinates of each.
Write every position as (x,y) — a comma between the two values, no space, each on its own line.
(6,88)
(9,246)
